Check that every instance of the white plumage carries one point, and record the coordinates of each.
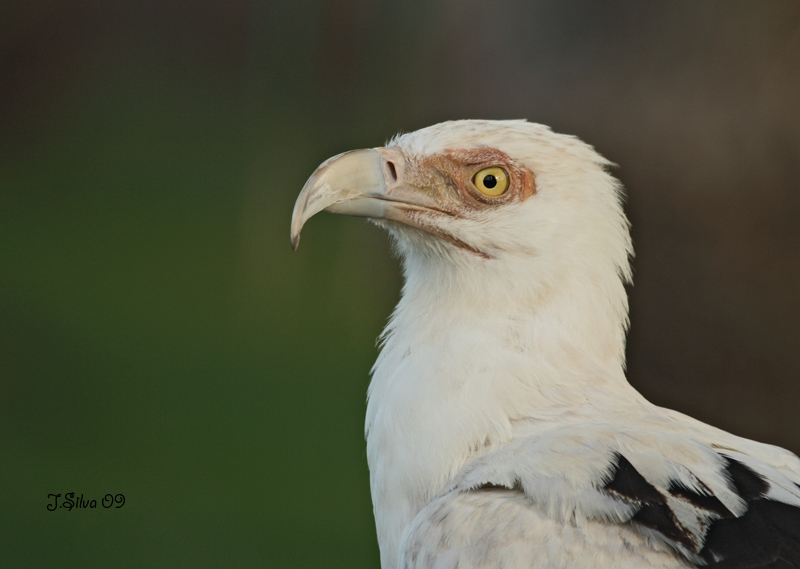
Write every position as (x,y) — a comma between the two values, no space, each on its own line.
(501,430)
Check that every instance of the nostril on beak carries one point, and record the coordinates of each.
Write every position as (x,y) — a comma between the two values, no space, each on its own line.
(392,170)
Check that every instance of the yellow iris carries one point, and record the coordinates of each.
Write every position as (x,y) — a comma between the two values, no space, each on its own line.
(492,181)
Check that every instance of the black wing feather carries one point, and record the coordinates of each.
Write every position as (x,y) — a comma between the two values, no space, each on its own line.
(766,536)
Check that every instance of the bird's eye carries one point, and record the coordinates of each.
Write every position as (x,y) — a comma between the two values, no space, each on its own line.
(492,181)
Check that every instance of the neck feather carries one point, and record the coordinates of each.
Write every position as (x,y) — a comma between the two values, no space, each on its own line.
(464,357)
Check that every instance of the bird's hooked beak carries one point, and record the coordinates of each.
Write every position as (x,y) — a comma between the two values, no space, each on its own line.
(362,183)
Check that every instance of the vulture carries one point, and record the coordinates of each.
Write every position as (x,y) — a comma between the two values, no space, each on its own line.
(501,429)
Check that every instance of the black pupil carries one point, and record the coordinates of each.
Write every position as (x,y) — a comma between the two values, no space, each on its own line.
(489,181)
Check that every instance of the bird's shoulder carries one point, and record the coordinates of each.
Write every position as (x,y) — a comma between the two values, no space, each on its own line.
(598,495)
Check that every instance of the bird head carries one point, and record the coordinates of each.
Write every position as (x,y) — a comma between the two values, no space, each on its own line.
(508,213)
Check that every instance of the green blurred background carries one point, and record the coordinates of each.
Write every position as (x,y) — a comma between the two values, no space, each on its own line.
(159,339)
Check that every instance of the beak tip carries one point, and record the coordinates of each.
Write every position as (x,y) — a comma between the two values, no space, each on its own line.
(295,235)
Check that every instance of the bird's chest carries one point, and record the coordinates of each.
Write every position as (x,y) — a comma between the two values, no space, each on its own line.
(430,410)
(414,441)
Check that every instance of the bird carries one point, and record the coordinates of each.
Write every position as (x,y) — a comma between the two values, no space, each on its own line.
(501,429)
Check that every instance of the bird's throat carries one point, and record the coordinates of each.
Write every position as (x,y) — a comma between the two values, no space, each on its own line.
(453,378)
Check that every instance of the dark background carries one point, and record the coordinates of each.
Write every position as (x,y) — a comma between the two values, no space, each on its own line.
(159,339)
